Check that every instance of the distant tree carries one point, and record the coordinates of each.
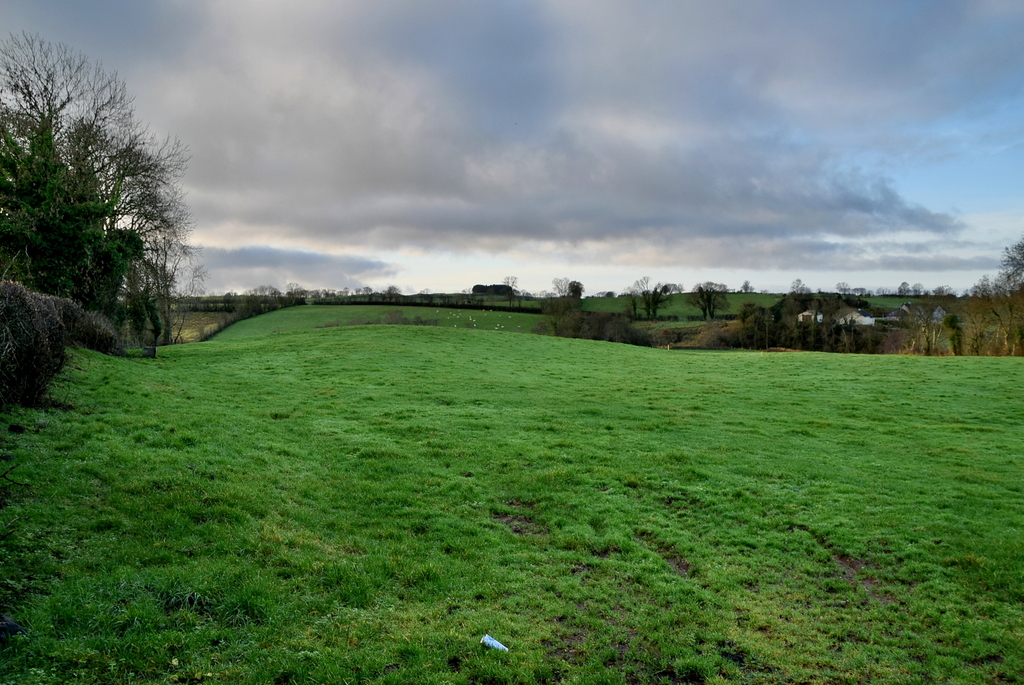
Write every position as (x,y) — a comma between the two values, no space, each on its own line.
(709,297)
(903,290)
(843,288)
(923,324)
(976,311)
(798,287)
(511,283)
(633,299)
(651,297)
(392,293)
(746,287)
(566,287)
(1012,264)
(956,334)
(754,324)
(563,316)
(1007,313)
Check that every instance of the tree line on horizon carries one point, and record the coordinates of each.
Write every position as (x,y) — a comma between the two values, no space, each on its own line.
(986,319)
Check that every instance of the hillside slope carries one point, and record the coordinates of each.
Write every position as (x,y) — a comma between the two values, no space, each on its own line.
(363,504)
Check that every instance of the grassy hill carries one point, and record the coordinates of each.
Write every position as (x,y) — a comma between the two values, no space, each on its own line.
(364,503)
(311,317)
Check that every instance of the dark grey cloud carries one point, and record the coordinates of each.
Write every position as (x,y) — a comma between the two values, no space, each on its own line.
(713,134)
(495,58)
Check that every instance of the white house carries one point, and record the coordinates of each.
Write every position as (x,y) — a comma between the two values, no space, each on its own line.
(909,310)
(856,316)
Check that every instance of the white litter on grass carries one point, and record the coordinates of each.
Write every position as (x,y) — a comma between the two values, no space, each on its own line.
(489,641)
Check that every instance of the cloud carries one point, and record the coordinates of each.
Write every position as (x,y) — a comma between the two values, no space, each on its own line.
(720,134)
(244,268)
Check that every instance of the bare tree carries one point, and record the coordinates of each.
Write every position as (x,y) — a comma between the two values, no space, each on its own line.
(633,300)
(651,297)
(976,316)
(561,286)
(511,283)
(1012,264)
(922,322)
(50,92)
(1008,313)
(709,297)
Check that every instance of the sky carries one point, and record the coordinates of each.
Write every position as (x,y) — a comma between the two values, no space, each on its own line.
(437,144)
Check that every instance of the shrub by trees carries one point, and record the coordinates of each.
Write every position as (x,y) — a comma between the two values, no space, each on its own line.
(564,318)
(35,331)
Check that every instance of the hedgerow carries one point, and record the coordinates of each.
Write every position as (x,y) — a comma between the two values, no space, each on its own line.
(35,332)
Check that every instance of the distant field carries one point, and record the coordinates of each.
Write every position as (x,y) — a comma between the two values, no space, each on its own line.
(311,317)
(194,325)
(287,504)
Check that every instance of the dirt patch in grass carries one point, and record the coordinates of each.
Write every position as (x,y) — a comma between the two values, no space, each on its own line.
(668,675)
(566,648)
(850,567)
(675,560)
(521,525)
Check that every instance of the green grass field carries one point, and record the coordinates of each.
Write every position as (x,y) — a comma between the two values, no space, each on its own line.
(361,504)
(311,317)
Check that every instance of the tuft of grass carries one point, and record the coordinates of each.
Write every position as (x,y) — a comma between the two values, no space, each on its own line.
(364,503)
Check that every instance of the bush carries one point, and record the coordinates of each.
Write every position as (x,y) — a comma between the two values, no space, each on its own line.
(34,332)
(94,331)
(606,326)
